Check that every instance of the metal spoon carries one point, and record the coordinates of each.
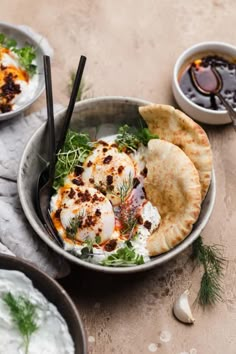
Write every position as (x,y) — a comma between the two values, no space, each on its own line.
(209,82)
(45,180)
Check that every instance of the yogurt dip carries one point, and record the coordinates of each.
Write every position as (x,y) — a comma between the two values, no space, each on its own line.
(52,335)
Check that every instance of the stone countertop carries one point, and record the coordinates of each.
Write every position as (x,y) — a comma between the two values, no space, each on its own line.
(131,46)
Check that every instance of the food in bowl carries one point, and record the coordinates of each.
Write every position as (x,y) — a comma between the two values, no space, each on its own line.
(29,322)
(18,74)
(122,199)
(226,68)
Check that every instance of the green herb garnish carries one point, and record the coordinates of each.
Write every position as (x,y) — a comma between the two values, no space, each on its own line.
(24,314)
(125,188)
(7,42)
(26,56)
(75,150)
(213,262)
(130,139)
(75,224)
(123,257)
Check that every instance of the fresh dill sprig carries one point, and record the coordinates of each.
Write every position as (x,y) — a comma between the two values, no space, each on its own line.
(75,224)
(75,150)
(123,257)
(24,314)
(129,139)
(213,262)
(125,188)
(128,220)
(83,89)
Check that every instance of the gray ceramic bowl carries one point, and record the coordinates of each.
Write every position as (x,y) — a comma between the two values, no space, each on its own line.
(22,39)
(99,117)
(53,293)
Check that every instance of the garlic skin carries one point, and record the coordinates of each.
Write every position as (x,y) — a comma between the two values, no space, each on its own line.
(182,310)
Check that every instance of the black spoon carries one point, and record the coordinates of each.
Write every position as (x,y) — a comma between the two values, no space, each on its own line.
(209,82)
(45,180)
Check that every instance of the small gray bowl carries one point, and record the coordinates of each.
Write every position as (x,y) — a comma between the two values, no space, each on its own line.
(53,293)
(22,39)
(99,117)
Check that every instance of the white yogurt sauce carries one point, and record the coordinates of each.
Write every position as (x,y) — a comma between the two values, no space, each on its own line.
(52,335)
(28,89)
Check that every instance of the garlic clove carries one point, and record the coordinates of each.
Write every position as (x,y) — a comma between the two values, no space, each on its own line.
(182,310)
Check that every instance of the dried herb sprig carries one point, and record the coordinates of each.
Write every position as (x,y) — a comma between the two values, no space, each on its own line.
(83,89)
(213,262)
(24,314)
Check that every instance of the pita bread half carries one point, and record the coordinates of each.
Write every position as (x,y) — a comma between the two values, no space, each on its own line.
(172,185)
(176,127)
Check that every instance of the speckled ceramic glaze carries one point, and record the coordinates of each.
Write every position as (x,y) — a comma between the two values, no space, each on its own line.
(99,117)
(53,293)
(22,39)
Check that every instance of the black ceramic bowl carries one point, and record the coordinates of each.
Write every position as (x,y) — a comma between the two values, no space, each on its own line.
(53,293)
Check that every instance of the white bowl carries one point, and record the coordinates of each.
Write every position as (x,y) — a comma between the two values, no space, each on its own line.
(23,38)
(196,112)
(93,116)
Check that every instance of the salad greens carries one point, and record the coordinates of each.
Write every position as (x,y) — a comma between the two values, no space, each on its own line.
(26,54)
(75,150)
(24,314)
(123,257)
(128,139)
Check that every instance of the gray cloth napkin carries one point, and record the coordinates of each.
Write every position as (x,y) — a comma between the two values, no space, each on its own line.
(16,235)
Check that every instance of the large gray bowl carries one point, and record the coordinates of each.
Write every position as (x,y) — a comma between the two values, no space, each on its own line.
(53,293)
(22,39)
(99,117)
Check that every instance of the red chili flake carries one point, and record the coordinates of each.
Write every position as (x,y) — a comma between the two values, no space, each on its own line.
(114,145)
(144,172)
(104,143)
(72,193)
(98,212)
(89,163)
(120,169)
(79,170)
(136,182)
(109,180)
(147,224)
(78,181)
(110,245)
(97,199)
(58,213)
(107,159)
(140,219)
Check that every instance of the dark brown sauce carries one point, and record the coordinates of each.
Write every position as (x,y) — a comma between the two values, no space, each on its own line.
(227,71)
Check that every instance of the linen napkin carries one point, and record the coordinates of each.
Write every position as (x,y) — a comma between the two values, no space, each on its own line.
(16,235)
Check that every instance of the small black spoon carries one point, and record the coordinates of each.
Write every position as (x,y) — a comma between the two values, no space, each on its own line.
(44,186)
(209,82)
(45,180)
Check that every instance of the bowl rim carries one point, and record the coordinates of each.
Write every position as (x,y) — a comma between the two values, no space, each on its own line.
(16,261)
(23,107)
(183,57)
(105,269)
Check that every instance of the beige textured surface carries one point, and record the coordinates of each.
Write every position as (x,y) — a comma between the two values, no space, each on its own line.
(131,47)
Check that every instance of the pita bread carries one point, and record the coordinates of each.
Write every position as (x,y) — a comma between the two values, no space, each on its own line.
(172,185)
(176,127)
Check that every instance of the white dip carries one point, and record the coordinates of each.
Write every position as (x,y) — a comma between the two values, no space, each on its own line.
(52,335)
